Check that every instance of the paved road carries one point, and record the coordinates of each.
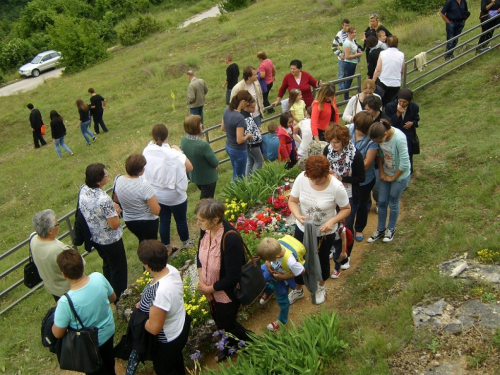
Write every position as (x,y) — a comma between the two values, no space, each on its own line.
(30,83)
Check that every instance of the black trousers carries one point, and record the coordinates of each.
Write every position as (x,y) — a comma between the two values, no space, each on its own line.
(224,315)
(144,229)
(484,39)
(207,191)
(168,358)
(265,95)
(325,245)
(108,359)
(114,265)
(99,121)
(37,137)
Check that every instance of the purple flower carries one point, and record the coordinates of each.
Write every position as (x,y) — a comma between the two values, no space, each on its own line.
(195,356)
(232,351)
(220,345)
(241,344)
(215,334)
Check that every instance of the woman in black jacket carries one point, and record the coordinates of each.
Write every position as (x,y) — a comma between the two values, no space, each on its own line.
(84,123)
(58,131)
(403,114)
(220,258)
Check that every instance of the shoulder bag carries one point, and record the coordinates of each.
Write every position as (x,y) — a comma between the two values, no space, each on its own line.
(80,347)
(81,231)
(31,276)
(252,281)
(416,144)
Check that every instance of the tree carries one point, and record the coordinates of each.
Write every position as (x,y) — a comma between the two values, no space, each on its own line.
(78,41)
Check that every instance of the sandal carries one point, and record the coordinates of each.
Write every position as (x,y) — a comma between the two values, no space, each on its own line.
(221,356)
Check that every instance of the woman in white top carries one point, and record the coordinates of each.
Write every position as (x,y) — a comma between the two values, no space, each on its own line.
(390,67)
(352,53)
(166,171)
(319,194)
(137,199)
(355,104)
(163,300)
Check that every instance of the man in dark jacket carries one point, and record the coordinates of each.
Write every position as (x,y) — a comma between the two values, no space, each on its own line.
(454,14)
(36,126)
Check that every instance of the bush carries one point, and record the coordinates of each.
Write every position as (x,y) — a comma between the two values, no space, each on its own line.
(233,5)
(144,26)
(78,42)
(16,53)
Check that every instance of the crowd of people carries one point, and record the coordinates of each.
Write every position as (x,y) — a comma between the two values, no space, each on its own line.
(371,151)
(95,109)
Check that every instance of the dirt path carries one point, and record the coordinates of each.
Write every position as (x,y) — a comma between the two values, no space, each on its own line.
(268,313)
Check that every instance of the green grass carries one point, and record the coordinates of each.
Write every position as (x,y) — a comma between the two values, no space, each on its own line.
(451,206)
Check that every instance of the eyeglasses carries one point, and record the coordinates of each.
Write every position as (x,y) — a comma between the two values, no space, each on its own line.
(55,226)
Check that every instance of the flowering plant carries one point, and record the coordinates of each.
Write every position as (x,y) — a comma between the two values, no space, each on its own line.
(280,203)
(234,209)
(196,304)
(142,281)
(265,220)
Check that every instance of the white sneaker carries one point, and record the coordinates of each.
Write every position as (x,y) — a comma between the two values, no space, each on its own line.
(347,265)
(389,235)
(378,234)
(294,295)
(320,295)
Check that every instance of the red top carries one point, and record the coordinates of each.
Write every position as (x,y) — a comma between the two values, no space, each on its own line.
(306,81)
(285,147)
(321,119)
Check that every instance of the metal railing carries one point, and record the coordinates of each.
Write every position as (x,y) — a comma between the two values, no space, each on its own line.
(437,71)
(219,135)
(67,218)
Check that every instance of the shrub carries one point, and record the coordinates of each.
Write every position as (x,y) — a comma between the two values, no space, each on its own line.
(233,5)
(78,42)
(143,26)
(16,53)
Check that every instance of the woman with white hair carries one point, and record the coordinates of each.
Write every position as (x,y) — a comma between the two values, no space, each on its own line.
(45,248)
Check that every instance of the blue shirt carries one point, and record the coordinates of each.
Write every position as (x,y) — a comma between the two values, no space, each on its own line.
(270,145)
(363,145)
(455,11)
(92,306)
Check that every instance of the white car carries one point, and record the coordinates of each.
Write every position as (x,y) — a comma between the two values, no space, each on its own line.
(42,62)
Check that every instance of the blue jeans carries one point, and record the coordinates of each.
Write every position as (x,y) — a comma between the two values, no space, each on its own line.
(453,29)
(341,73)
(282,299)
(197,111)
(349,70)
(228,96)
(258,120)
(238,161)
(84,128)
(389,195)
(60,143)
(180,217)
(254,160)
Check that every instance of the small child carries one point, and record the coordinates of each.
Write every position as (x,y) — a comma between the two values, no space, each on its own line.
(297,105)
(343,239)
(270,142)
(284,261)
(306,134)
(287,151)
(381,40)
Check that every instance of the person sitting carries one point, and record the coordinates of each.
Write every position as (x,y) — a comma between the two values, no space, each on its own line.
(271,142)
(284,261)
(91,296)
(45,248)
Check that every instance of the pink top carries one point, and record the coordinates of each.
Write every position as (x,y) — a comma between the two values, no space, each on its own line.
(306,81)
(210,258)
(267,67)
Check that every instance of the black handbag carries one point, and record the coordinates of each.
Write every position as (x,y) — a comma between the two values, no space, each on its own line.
(416,145)
(80,347)
(31,276)
(81,231)
(252,282)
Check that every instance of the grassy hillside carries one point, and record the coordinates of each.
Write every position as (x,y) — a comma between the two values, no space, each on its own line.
(451,205)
